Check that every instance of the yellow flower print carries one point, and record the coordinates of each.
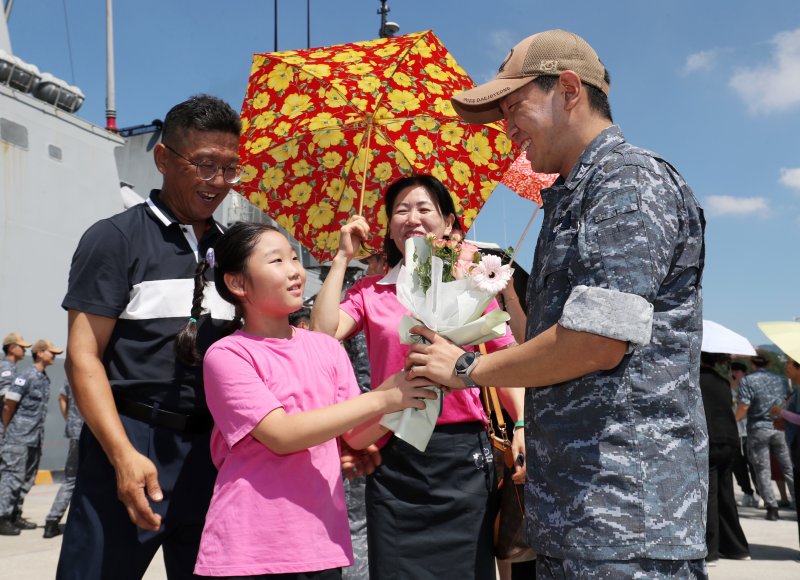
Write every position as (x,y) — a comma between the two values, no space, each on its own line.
(295,60)
(487,187)
(248,173)
(451,133)
(502,144)
(382,221)
(319,54)
(407,151)
(403,101)
(361,104)
(259,199)
(435,72)
(280,77)
(423,49)
(387,50)
(295,105)
(328,138)
(426,123)
(300,193)
(348,56)
(424,145)
(369,83)
(318,70)
(261,101)
(301,168)
(334,188)
(359,68)
(287,223)
(258,62)
(433,88)
(402,79)
(320,214)
(321,241)
(479,151)
(334,99)
(456,202)
(285,151)
(371,197)
(272,178)
(245,125)
(469,216)
(333,241)
(383,172)
(443,107)
(439,172)
(322,121)
(264,120)
(282,129)
(260,145)
(460,171)
(331,159)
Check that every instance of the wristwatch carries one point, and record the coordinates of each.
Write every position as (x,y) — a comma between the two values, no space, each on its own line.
(465,365)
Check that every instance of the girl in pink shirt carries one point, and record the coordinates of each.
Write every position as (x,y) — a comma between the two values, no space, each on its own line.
(280,396)
(429,515)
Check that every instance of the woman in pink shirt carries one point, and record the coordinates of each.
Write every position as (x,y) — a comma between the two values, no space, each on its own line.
(431,514)
(280,396)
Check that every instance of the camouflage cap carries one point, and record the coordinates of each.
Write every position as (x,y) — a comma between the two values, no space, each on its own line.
(547,53)
(14,338)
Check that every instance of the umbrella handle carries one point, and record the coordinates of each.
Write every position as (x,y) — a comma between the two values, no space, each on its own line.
(525,233)
(364,175)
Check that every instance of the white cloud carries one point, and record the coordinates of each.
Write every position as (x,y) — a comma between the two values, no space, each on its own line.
(773,86)
(700,61)
(501,41)
(729,205)
(791,177)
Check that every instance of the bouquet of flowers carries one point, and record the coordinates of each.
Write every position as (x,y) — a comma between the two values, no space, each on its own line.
(446,285)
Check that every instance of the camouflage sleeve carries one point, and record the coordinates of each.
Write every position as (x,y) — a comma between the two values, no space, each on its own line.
(627,238)
(745,392)
(17,388)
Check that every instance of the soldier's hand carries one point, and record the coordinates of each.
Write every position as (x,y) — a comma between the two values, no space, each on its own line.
(137,479)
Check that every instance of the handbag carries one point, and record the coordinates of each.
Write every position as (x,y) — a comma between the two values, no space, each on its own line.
(509,524)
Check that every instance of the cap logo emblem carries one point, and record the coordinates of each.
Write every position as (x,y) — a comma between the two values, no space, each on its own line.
(503,64)
(548,65)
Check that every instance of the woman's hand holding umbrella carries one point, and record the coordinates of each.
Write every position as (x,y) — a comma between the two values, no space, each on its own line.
(351,236)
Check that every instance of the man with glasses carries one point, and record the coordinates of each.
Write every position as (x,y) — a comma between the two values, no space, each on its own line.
(145,477)
(14,350)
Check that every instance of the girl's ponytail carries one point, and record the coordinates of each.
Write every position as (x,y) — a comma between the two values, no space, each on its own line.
(186,340)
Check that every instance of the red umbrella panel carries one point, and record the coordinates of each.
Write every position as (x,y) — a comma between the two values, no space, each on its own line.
(326,130)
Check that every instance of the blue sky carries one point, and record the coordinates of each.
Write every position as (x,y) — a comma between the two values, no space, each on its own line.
(713,86)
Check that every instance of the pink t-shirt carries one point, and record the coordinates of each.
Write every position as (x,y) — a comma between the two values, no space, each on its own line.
(372,303)
(274,514)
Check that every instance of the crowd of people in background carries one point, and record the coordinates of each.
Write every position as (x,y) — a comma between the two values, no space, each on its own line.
(228,426)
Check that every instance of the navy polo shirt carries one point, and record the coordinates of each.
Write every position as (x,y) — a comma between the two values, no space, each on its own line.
(138,267)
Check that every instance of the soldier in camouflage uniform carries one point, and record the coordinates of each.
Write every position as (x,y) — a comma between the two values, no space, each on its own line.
(758,393)
(617,449)
(14,350)
(72,430)
(24,412)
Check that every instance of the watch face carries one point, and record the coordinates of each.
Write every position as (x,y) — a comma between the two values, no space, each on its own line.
(463,362)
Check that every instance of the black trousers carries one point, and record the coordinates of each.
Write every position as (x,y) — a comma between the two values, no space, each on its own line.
(100,542)
(742,470)
(724,535)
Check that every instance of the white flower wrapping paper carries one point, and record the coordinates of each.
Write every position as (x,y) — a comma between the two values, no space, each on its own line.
(452,309)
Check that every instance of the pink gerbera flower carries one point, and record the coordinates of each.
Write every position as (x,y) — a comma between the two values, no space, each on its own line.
(491,275)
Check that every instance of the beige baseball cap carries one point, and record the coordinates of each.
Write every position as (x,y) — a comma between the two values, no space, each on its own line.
(547,53)
(43,344)
(14,338)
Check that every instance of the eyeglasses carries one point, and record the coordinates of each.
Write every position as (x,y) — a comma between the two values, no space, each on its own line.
(207,170)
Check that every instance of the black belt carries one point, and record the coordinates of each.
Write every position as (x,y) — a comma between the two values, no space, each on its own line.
(152,415)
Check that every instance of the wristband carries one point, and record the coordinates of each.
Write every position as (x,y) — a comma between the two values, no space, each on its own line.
(519,424)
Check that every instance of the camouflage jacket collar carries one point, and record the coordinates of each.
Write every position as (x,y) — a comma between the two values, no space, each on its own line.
(600,146)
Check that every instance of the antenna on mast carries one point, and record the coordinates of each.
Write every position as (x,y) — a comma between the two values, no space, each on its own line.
(388,28)
(111,99)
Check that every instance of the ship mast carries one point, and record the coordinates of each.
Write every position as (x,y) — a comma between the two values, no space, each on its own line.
(111,99)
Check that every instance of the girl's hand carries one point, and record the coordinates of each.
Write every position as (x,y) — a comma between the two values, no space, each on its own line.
(355,231)
(401,393)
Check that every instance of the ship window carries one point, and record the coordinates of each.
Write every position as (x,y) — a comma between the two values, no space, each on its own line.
(14,133)
(55,152)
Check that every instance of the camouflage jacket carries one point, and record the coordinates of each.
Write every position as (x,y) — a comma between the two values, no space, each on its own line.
(617,460)
(31,390)
(761,390)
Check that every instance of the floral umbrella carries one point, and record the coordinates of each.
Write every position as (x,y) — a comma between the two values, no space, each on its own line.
(325,130)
